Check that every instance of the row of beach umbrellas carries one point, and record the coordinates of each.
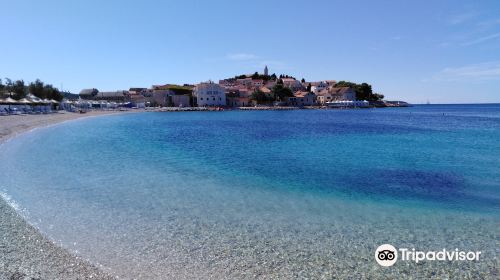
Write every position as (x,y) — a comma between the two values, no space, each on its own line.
(93,102)
(25,101)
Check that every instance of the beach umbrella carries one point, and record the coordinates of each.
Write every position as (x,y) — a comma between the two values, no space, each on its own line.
(24,101)
(34,101)
(10,100)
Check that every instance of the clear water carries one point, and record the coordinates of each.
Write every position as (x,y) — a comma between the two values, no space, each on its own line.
(262,194)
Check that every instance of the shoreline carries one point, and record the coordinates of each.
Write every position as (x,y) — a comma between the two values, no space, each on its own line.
(25,253)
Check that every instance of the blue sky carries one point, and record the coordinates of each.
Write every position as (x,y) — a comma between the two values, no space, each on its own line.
(443,51)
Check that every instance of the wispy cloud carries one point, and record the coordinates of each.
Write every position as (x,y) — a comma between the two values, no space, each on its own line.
(474,72)
(241,56)
(461,18)
(481,40)
(489,22)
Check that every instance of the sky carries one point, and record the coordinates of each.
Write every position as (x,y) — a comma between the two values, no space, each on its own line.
(441,51)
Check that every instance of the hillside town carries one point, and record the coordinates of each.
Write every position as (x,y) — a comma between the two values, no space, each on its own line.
(256,90)
(249,91)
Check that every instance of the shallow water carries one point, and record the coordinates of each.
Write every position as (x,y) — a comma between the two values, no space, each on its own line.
(264,194)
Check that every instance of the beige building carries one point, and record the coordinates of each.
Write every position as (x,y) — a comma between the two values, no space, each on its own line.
(209,94)
(302,98)
(292,83)
(335,94)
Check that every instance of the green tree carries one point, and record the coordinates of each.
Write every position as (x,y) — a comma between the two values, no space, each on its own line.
(280,92)
(37,89)
(309,87)
(363,91)
(378,96)
(8,85)
(303,80)
(2,88)
(19,89)
(51,92)
(259,97)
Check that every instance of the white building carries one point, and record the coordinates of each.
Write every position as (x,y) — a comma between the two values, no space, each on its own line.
(209,94)
(318,86)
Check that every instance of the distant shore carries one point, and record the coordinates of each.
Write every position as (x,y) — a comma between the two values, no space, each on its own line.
(24,252)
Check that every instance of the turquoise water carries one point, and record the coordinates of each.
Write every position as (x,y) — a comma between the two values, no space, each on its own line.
(259,194)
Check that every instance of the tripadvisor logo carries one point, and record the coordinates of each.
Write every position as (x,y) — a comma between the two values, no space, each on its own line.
(387,255)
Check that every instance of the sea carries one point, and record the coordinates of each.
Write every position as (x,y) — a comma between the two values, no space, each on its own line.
(265,194)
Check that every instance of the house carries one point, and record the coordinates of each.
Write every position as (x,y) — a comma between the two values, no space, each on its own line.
(302,98)
(160,97)
(239,97)
(118,96)
(183,100)
(239,101)
(133,91)
(244,81)
(224,82)
(344,93)
(169,98)
(171,95)
(257,83)
(323,96)
(89,93)
(209,94)
(292,83)
(136,97)
(270,84)
(267,91)
(138,100)
(318,86)
(245,92)
(335,94)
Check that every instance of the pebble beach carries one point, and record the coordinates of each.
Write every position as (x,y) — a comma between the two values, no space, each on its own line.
(24,252)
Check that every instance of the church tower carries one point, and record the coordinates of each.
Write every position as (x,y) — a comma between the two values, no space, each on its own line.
(266,71)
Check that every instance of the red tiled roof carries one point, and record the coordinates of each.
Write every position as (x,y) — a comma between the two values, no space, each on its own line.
(301,93)
(265,90)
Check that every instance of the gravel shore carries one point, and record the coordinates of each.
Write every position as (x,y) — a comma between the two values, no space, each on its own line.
(24,252)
